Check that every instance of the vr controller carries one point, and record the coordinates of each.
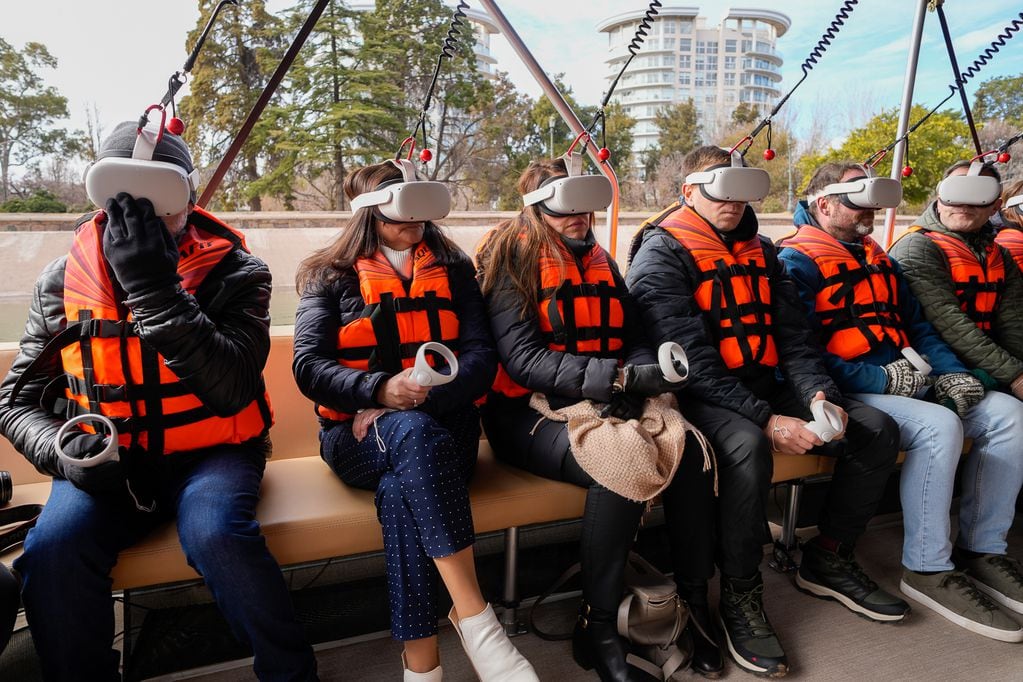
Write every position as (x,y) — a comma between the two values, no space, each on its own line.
(409,200)
(671,357)
(916,360)
(734,182)
(425,375)
(866,192)
(109,453)
(167,185)
(972,189)
(827,420)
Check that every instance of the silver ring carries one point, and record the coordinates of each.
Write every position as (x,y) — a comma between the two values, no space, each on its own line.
(415,403)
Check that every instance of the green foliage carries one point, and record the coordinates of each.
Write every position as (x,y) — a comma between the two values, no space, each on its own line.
(746,114)
(937,144)
(41,201)
(241,53)
(28,109)
(1000,99)
(678,133)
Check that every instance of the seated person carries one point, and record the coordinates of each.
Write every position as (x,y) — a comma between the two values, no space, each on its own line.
(1010,236)
(971,290)
(567,328)
(864,315)
(704,278)
(173,331)
(387,285)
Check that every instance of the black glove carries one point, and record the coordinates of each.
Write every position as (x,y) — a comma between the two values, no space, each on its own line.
(903,378)
(958,391)
(647,380)
(140,250)
(103,478)
(624,406)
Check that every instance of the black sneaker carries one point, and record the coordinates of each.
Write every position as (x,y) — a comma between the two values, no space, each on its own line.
(836,575)
(748,633)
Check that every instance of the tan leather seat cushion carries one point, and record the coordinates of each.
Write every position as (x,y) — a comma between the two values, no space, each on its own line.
(307,514)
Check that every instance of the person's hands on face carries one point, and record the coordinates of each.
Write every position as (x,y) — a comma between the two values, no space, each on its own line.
(364,419)
(136,243)
(819,395)
(790,436)
(400,392)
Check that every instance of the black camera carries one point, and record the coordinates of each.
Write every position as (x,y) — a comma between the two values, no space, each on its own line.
(6,488)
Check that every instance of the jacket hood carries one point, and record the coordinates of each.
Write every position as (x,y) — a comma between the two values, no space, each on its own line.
(802,215)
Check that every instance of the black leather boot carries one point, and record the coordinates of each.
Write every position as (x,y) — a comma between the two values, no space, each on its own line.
(609,527)
(707,659)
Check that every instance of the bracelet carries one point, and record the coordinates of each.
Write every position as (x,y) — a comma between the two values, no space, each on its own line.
(783,430)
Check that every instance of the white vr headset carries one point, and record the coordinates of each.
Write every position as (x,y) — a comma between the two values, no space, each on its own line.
(972,189)
(167,185)
(1015,202)
(867,192)
(409,200)
(735,182)
(573,193)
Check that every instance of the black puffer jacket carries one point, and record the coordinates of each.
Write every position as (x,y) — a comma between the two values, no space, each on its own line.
(325,308)
(663,277)
(216,342)
(527,359)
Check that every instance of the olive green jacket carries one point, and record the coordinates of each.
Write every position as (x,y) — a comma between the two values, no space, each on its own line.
(999,352)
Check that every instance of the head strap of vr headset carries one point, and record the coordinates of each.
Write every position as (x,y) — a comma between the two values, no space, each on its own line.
(736,160)
(832,189)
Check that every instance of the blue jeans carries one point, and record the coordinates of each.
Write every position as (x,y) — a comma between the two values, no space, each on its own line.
(213,493)
(932,437)
(420,469)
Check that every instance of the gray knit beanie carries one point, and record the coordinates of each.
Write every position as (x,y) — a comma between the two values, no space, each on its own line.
(121,142)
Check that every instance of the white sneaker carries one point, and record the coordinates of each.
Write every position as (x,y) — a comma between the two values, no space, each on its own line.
(493,656)
(434,675)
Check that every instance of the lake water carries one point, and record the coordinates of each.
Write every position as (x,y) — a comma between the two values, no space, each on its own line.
(14,312)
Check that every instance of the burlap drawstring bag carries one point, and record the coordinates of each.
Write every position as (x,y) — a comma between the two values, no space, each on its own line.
(636,459)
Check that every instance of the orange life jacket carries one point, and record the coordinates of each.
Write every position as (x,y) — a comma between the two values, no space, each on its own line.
(978,286)
(110,371)
(1011,239)
(400,316)
(579,310)
(858,305)
(734,288)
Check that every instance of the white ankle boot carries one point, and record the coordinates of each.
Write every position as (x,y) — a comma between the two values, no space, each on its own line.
(434,675)
(491,653)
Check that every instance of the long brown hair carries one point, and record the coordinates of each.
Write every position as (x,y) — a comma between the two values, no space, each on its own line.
(1013,215)
(359,239)
(515,247)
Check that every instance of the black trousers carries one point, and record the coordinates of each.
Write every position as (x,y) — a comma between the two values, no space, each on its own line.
(523,438)
(865,458)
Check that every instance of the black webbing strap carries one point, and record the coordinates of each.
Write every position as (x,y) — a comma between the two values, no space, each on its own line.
(88,363)
(604,298)
(737,327)
(386,356)
(25,516)
(431,302)
(967,294)
(411,305)
(153,419)
(405,350)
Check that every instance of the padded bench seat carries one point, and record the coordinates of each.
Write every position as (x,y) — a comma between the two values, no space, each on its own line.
(307,514)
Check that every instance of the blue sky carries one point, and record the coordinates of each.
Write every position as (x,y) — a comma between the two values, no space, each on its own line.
(117,54)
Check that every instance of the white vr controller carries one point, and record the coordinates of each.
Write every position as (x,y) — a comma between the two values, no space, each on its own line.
(917,361)
(827,420)
(425,375)
(109,453)
(670,356)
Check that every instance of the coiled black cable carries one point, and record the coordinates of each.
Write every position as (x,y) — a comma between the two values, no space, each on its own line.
(815,55)
(989,53)
(642,31)
(447,51)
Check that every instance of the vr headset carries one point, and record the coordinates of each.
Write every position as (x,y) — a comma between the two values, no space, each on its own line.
(573,193)
(143,175)
(865,192)
(972,189)
(409,200)
(1015,202)
(735,182)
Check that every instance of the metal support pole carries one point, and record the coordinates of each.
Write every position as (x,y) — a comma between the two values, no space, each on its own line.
(561,106)
(510,616)
(958,75)
(899,153)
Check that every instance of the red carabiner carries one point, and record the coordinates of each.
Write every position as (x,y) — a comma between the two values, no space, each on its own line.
(411,150)
(144,119)
(579,137)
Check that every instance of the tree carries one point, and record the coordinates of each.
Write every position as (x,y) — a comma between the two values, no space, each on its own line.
(678,133)
(41,201)
(1000,99)
(28,109)
(242,50)
(746,114)
(937,144)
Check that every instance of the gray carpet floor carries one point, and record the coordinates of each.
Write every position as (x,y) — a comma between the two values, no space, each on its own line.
(823,640)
